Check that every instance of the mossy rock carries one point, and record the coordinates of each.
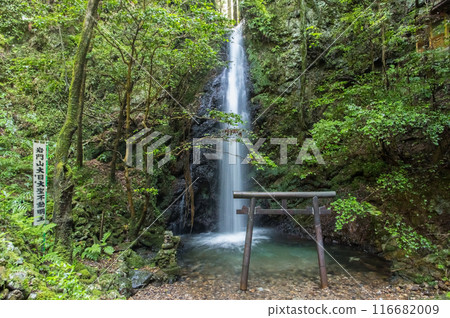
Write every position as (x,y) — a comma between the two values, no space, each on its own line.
(106,281)
(46,295)
(167,245)
(122,269)
(10,256)
(84,274)
(125,246)
(172,271)
(2,276)
(115,282)
(133,260)
(40,286)
(113,294)
(124,286)
(176,240)
(87,277)
(160,277)
(80,266)
(95,290)
(419,278)
(19,280)
(152,240)
(96,294)
(87,274)
(15,295)
(4,294)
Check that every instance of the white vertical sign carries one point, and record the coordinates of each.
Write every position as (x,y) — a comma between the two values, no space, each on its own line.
(39,181)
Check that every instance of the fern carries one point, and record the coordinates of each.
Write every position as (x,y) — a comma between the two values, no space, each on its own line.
(109,250)
(78,248)
(106,236)
(92,252)
(22,203)
(51,257)
(95,251)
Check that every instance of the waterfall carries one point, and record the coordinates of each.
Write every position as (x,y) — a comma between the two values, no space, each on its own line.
(233,175)
(181,214)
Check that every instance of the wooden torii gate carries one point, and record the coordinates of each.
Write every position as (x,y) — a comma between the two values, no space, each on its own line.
(283,196)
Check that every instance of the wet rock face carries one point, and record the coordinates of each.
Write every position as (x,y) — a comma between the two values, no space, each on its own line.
(207,171)
(206,186)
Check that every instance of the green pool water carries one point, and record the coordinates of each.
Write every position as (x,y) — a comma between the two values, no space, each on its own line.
(274,255)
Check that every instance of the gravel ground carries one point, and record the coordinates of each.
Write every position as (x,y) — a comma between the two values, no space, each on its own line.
(194,285)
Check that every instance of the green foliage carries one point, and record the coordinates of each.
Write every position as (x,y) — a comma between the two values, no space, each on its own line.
(22,246)
(395,182)
(18,17)
(152,190)
(406,237)
(314,35)
(94,252)
(14,219)
(226,118)
(349,209)
(259,19)
(63,276)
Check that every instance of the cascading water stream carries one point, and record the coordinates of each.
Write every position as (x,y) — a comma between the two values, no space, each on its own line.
(232,174)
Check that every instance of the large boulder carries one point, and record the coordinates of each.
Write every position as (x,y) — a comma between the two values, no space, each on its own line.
(114,282)
(124,286)
(19,280)
(133,260)
(15,295)
(141,278)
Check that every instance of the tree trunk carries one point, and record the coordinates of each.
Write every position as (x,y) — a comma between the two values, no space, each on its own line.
(128,187)
(62,182)
(190,202)
(372,55)
(80,123)
(115,152)
(146,208)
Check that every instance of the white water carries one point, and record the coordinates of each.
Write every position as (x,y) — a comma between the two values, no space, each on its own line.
(232,174)
(232,241)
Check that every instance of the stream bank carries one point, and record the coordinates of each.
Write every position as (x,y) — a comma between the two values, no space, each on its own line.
(193,286)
